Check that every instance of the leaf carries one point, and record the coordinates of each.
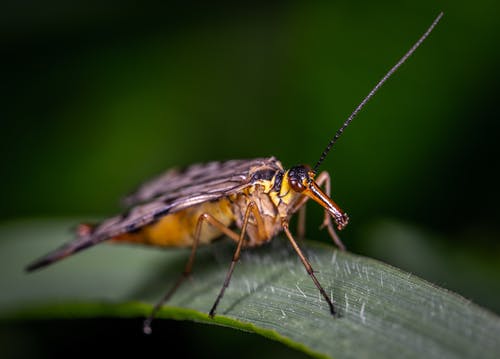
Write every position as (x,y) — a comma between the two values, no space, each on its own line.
(385,312)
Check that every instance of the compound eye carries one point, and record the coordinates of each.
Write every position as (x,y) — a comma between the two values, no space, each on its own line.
(298,178)
(296,185)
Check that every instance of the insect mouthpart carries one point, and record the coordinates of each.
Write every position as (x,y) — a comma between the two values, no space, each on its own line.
(301,180)
(315,192)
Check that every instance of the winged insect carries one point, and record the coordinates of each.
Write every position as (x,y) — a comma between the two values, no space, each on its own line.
(196,205)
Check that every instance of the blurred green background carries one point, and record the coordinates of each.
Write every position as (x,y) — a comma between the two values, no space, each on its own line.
(98,96)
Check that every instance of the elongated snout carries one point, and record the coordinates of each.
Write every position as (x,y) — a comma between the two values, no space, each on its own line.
(314,191)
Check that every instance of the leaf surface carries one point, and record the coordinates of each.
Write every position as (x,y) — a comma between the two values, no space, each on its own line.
(384,312)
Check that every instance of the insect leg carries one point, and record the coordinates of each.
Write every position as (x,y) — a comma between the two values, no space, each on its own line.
(308,266)
(189,265)
(252,208)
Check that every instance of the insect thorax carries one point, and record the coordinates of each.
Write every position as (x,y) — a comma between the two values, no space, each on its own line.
(274,199)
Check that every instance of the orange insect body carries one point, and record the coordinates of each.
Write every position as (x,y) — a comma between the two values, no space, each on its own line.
(177,229)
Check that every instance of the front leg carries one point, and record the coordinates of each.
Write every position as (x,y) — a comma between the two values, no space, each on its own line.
(307,265)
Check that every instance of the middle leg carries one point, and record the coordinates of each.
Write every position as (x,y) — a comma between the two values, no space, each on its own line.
(251,209)
(205,217)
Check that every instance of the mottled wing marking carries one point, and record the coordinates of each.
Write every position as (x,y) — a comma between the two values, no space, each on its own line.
(179,189)
(175,182)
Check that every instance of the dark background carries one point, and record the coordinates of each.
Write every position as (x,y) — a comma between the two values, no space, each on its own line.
(98,96)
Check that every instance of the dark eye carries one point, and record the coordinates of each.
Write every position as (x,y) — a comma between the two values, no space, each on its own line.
(297,176)
(296,185)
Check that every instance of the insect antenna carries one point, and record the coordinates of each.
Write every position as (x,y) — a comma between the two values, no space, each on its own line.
(374,90)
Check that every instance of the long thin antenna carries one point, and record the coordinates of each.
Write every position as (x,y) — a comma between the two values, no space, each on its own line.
(374,90)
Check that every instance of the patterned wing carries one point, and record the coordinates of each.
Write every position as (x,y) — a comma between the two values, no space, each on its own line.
(168,193)
(197,178)
(175,190)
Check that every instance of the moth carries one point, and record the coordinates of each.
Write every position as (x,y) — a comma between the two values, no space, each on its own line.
(249,201)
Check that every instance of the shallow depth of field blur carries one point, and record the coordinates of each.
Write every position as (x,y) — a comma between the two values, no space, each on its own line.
(97,97)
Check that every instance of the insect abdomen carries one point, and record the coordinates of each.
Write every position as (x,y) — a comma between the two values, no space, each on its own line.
(178,229)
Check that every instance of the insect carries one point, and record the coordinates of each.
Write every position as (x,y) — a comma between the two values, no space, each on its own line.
(194,206)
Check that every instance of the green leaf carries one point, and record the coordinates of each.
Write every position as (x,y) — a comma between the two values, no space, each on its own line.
(385,312)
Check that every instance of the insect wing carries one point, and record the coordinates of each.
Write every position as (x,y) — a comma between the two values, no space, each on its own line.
(168,193)
(198,178)
(176,190)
